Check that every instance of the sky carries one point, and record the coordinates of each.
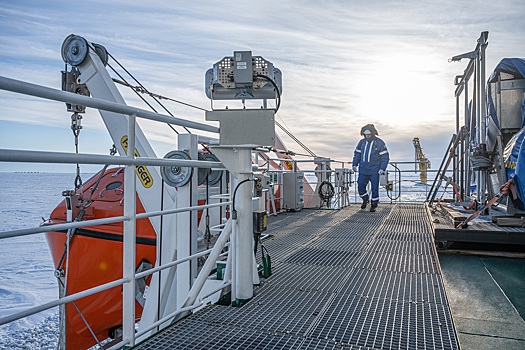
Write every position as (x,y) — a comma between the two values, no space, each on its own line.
(344,64)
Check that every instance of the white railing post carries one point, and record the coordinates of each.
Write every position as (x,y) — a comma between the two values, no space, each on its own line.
(244,229)
(128,298)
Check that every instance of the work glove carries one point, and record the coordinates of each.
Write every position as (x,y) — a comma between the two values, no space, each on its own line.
(354,168)
(381,172)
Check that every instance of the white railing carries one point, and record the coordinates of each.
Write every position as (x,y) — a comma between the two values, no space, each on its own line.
(346,188)
(129,218)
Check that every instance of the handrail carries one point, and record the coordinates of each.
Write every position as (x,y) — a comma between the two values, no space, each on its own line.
(95,222)
(25,88)
(20,156)
(63,300)
(97,289)
(60,227)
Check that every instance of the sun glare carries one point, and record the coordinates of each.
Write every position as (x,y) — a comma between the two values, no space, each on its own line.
(399,91)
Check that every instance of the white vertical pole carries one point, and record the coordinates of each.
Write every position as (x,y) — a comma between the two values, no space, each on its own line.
(244,230)
(128,299)
(186,226)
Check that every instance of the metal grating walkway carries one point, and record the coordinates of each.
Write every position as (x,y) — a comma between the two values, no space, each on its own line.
(346,279)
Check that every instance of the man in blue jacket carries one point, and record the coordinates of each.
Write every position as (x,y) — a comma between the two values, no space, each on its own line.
(372,157)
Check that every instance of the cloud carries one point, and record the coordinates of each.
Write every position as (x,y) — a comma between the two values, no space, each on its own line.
(344,64)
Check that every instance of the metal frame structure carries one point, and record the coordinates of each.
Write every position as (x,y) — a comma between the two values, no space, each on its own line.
(474,121)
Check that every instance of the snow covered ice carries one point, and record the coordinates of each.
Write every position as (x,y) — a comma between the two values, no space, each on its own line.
(27,278)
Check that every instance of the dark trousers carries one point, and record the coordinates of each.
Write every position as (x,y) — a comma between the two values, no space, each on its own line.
(362,182)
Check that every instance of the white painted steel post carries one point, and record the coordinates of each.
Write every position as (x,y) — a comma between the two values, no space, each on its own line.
(186,226)
(244,232)
(456,153)
(128,299)
(233,245)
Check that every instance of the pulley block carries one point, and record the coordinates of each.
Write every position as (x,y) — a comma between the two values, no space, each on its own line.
(215,175)
(176,176)
(203,172)
(102,53)
(74,50)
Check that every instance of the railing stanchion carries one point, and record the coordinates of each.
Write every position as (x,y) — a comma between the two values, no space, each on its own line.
(128,298)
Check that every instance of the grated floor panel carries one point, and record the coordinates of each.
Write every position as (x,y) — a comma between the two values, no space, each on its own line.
(308,277)
(411,287)
(386,324)
(399,262)
(271,312)
(342,279)
(323,257)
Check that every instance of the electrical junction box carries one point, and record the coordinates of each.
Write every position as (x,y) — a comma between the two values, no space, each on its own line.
(293,191)
(260,221)
(261,185)
(508,94)
(250,127)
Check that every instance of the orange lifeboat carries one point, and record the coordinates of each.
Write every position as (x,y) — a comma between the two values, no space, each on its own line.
(95,258)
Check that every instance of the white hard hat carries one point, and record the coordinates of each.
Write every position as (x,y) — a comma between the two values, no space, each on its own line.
(367,132)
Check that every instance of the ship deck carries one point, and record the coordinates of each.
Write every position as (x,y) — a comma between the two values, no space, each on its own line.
(342,279)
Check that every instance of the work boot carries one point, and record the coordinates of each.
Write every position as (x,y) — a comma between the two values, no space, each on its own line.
(373,207)
(365,202)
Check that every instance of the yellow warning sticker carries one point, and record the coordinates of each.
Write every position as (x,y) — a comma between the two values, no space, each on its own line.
(142,171)
(288,164)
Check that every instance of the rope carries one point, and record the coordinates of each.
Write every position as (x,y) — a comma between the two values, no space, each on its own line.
(154,95)
(142,89)
(325,193)
(451,155)
(81,315)
(312,154)
(505,190)
(71,232)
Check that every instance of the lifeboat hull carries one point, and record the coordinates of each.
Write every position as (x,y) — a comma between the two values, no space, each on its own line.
(95,258)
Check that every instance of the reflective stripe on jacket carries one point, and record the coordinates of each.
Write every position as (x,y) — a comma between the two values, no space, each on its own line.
(371,156)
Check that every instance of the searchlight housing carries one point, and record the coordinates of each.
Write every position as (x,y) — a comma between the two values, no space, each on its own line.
(241,77)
